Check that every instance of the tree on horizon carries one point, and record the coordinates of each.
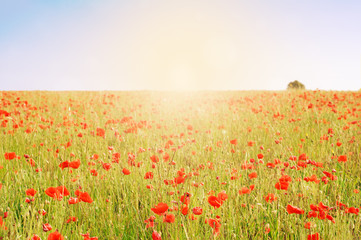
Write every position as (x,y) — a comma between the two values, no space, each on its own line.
(295,85)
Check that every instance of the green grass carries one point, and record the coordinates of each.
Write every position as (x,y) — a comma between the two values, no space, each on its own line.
(163,116)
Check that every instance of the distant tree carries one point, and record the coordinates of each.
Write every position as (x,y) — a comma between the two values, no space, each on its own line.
(295,85)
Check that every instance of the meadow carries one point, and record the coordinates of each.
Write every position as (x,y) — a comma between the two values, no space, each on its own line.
(180,165)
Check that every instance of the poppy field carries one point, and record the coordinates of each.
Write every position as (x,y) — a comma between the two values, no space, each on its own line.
(180,165)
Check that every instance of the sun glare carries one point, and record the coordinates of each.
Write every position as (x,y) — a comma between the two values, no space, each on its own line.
(187,52)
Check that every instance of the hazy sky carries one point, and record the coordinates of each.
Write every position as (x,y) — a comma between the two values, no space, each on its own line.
(185,45)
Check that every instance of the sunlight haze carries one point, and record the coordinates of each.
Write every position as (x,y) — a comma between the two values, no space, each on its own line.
(179,45)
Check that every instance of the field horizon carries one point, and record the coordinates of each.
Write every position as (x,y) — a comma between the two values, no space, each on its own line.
(156,165)
(180,120)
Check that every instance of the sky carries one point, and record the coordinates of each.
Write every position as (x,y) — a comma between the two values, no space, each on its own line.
(179,45)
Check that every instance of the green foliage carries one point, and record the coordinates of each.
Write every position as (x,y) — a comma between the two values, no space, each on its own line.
(295,85)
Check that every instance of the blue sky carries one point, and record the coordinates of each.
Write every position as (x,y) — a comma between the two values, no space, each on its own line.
(179,45)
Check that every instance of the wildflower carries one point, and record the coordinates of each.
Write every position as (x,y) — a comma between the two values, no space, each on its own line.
(215,224)
(184,210)
(169,218)
(83,196)
(47,227)
(35,237)
(214,201)
(57,192)
(315,236)
(342,158)
(156,236)
(233,141)
(55,236)
(270,198)
(10,155)
(197,210)
(252,175)
(2,224)
(291,209)
(150,222)
(126,171)
(30,192)
(160,208)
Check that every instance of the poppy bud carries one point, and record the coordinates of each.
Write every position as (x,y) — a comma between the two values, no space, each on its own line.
(47,227)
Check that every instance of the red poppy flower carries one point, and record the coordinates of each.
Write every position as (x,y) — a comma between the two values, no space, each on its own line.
(312,214)
(215,201)
(271,165)
(323,207)
(282,185)
(2,224)
(83,196)
(285,178)
(215,224)
(233,141)
(47,227)
(150,221)
(55,236)
(197,210)
(71,219)
(291,209)
(64,164)
(63,190)
(30,192)
(75,164)
(156,236)
(250,143)
(270,198)
(222,196)
(179,180)
(352,210)
(148,175)
(244,190)
(169,218)
(342,158)
(154,158)
(308,225)
(57,193)
(302,157)
(107,166)
(314,207)
(100,132)
(252,175)
(315,236)
(126,171)
(184,210)
(10,155)
(73,200)
(160,208)
(330,175)
(186,198)
(87,237)
(35,237)
(42,212)
(52,192)
(94,172)
(329,217)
